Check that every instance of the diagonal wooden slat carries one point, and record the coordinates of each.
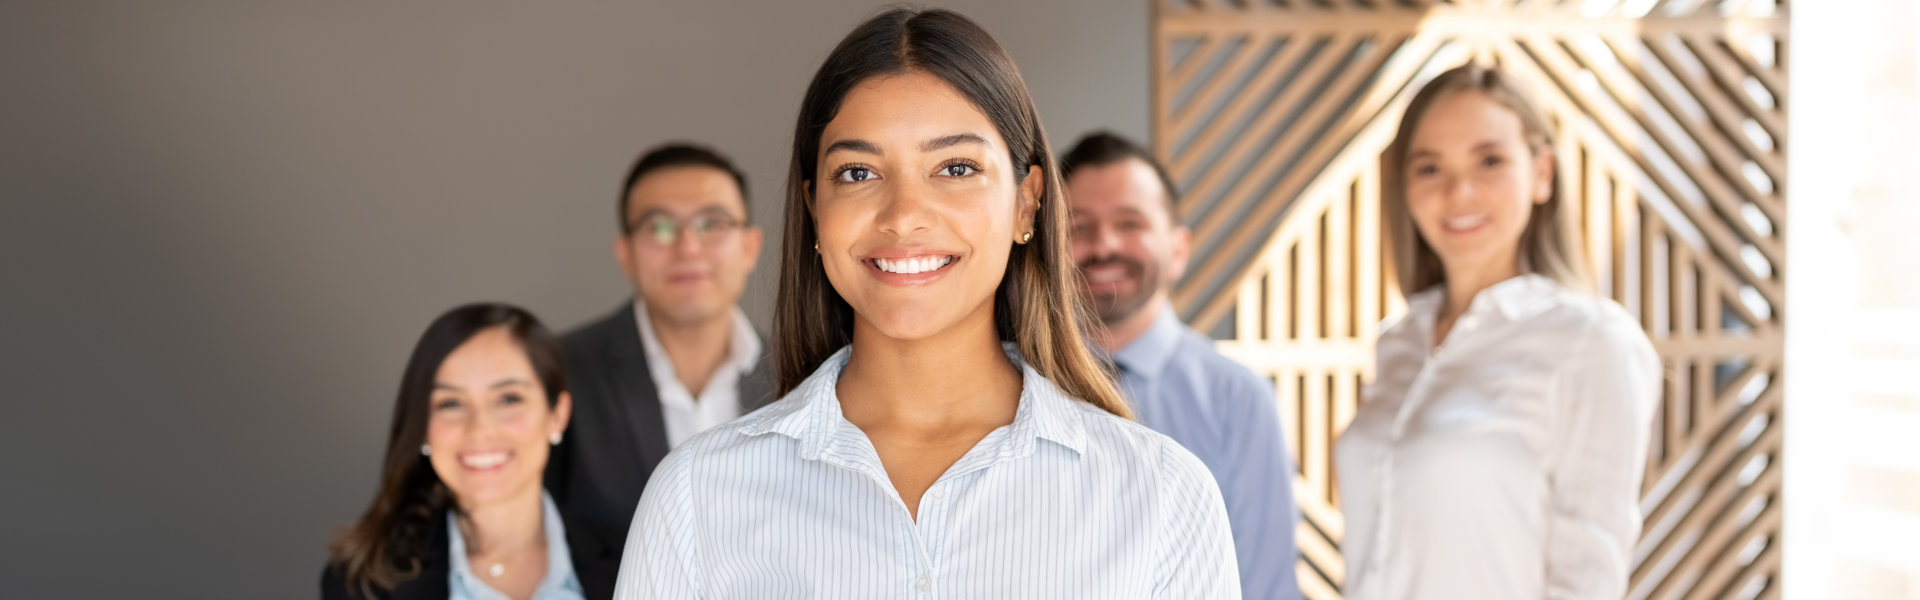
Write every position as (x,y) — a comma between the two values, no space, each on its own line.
(1726,244)
(1714,535)
(1724,113)
(1325,106)
(1398,68)
(1771,78)
(1319,67)
(1732,85)
(1720,572)
(1713,143)
(1236,109)
(1705,484)
(1248,50)
(1202,54)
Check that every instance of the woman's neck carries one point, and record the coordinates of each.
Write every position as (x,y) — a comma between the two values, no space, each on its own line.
(1464,282)
(503,527)
(956,378)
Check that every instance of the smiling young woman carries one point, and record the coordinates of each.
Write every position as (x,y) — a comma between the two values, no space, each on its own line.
(944,430)
(1499,451)
(460,512)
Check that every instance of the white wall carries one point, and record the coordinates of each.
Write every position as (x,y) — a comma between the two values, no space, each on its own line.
(1853,302)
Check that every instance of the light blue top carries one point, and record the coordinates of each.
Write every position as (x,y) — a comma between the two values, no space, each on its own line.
(1068,501)
(1180,386)
(559,584)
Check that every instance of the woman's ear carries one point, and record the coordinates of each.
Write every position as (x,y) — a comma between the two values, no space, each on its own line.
(1543,175)
(1031,188)
(562,412)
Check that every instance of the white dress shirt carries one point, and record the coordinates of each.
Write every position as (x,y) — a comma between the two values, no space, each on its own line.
(1507,462)
(1068,501)
(719,400)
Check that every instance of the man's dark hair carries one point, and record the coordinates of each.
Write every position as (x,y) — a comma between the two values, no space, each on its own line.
(678,154)
(1102,148)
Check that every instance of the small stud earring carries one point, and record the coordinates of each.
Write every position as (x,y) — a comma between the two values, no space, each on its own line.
(1026,237)
(426,450)
(816,247)
(554,439)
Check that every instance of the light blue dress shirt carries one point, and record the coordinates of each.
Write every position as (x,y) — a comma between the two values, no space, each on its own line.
(559,584)
(1068,501)
(1180,386)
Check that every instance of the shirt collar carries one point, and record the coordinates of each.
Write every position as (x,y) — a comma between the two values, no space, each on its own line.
(743,345)
(811,413)
(1523,296)
(559,562)
(1513,300)
(1148,355)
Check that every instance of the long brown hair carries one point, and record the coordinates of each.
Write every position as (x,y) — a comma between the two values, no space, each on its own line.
(1548,244)
(1038,305)
(387,545)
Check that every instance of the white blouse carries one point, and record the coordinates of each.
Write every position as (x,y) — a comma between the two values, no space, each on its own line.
(1505,463)
(1068,501)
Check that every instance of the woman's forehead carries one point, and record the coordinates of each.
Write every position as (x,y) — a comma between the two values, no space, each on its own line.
(905,112)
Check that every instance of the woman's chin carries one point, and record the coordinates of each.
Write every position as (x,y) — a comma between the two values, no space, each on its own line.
(480,494)
(909,324)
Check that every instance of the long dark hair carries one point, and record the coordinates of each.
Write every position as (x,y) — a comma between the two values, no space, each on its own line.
(385,547)
(1038,305)
(1549,245)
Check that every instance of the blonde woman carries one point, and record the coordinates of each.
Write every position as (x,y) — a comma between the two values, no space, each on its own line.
(1499,452)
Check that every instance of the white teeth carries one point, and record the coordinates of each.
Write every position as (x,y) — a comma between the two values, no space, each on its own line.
(1466,222)
(486,460)
(910,266)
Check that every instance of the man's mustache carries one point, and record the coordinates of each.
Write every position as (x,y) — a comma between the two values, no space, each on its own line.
(1134,265)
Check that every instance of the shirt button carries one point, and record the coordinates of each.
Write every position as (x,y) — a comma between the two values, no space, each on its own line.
(1468,322)
(922,582)
(939,494)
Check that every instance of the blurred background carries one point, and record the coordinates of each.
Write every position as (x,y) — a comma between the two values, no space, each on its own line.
(223,224)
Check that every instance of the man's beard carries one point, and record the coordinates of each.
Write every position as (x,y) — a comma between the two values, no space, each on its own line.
(1113,308)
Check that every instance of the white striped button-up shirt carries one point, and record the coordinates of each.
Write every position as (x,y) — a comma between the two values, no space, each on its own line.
(1068,501)
(1506,464)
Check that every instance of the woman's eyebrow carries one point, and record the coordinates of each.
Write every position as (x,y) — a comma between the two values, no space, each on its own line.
(509,381)
(862,146)
(953,140)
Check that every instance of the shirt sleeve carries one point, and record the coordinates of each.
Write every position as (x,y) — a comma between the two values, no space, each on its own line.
(661,560)
(1196,558)
(1258,488)
(1607,395)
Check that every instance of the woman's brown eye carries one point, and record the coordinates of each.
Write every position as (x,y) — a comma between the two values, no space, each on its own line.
(854,175)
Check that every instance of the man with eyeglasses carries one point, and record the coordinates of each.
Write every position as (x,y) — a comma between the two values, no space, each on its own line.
(677,360)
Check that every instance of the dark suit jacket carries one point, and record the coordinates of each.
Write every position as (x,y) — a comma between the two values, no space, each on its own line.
(596,563)
(617,434)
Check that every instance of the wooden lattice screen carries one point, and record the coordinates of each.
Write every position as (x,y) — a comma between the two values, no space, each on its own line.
(1272,114)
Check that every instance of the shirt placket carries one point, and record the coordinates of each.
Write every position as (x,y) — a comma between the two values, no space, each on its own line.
(929,533)
(1415,401)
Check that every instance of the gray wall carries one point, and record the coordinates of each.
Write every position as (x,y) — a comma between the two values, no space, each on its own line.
(222,224)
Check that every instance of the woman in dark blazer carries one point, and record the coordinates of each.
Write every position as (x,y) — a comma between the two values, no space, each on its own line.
(460,512)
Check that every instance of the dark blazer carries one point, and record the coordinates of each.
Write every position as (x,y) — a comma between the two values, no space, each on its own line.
(617,434)
(596,563)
